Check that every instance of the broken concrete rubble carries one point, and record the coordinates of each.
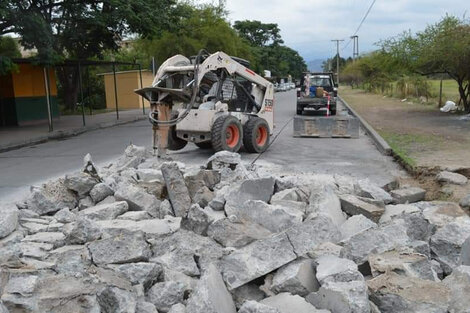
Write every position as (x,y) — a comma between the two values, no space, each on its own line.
(177,190)
(278,242)
(395,293)
(211,295)
(354,206)
(451,178)
(408,195)
(297,277)
(8,220)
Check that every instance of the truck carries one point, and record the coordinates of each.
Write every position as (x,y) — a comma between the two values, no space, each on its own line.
(317,94)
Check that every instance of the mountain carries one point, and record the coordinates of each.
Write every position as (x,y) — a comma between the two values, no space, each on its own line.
(315,65)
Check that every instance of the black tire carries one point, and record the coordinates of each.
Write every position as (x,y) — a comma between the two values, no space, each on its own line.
(299,112)
(333,112)
(256,135)
(220,134)
(175,143)
(204,144)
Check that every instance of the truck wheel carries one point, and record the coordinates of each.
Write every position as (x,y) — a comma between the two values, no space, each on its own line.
(175,143)
(256,135)
(299,111)
(333,112)
(204,144)
(227,134)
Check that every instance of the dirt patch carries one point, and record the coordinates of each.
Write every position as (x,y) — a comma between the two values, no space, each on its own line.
(424,138)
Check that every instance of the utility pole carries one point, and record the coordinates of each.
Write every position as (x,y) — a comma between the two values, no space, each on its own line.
(337,58)
(355,39)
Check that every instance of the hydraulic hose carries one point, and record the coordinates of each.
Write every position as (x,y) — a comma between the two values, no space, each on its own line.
(193,96)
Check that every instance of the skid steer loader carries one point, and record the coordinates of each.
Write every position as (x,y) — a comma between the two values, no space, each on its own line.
(212,100)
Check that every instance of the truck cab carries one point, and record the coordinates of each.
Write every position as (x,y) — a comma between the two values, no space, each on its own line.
(317,94)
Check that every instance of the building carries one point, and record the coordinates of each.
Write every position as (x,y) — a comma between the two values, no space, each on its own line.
(126,83)
(23,95)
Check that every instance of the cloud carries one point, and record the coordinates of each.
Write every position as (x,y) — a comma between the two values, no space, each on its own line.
(309,25)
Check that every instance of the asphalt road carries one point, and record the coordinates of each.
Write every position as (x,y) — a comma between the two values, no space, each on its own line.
(19,169)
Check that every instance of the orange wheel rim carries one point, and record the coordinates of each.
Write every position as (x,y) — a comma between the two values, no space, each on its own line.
(261,136)
(232,136)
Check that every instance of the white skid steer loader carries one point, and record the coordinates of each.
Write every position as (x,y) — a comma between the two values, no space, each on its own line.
(213,100)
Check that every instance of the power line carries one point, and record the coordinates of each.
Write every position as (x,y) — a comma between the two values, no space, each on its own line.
(360,24)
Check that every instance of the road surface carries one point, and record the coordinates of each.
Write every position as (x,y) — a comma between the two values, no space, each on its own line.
(28,166)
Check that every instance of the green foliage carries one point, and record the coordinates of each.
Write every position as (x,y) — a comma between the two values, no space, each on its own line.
(443,47)
(201,27)
(8,50)
(269,53)
(329,65)
(259,34)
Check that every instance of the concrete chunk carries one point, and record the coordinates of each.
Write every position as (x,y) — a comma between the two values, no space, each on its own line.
(81,231)
(311,233)
(341,297)
(287,303)
(139,272)
(8,220)
(335,269)
(451,178)
(323,200)
(126,248)
(365,188)
(408,195)
(394,293)
(81,183)
(137,199)
(440,213)
(236,235)
(116,300)
(354,206)
(297,277)
(447,244)
(197,220)
(256,259)
(271,217)
(165,294)
(211,295)
(55,238)
(405,263)
(177,190)
(100,191)
(256,307)
(50,198)
(355,225)
(250,189)
(359,246)
(459,284)
(105,211)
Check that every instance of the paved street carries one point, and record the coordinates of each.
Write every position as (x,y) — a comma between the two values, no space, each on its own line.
(22,168)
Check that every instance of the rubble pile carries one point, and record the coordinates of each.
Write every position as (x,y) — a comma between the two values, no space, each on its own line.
(144,235)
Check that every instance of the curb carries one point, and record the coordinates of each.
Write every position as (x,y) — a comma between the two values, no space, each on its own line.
(61,134)
(379,142)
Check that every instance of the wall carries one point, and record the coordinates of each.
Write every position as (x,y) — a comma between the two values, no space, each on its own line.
(126,83)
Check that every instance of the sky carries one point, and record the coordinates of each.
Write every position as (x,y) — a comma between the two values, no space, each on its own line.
(308,26)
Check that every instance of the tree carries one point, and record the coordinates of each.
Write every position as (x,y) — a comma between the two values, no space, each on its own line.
(259,34)
(330,64)
(61,29)
(202,27)
(8,50)
(443,47)
(269,53)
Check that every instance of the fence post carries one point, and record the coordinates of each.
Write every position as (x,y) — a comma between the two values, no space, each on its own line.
(48,97)
(141,86)
(81,91)
(115,91)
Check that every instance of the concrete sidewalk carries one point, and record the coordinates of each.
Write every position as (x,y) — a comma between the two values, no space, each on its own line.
(66,126)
